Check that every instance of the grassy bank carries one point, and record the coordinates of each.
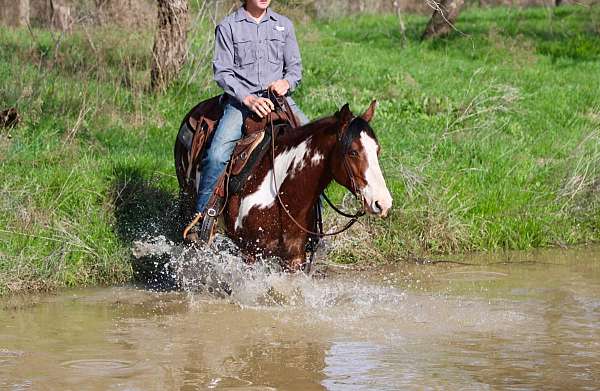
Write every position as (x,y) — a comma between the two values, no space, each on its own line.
(491,138)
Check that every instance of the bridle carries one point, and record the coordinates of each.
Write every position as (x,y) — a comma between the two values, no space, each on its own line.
(284,105)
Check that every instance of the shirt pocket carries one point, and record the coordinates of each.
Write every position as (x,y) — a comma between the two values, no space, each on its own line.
(244,52)
(276,42)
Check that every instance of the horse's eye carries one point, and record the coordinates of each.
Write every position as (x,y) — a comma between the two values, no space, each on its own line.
(353,153)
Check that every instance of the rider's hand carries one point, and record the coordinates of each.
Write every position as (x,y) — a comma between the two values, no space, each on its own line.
(261,106)
(280,87)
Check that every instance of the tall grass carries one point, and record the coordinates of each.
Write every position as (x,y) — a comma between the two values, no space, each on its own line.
(489,137)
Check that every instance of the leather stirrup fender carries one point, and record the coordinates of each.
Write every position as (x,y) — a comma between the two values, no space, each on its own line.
(203,128)
(243,149)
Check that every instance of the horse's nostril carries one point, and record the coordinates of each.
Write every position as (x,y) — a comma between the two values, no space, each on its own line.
(377,205)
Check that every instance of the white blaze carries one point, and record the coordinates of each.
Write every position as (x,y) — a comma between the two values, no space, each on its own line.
(287,163)
(317,157)
(375,193)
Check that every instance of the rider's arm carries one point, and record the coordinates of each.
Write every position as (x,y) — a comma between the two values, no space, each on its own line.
(223,64)
(292,63)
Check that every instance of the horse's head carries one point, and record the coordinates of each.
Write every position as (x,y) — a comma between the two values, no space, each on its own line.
(355,163)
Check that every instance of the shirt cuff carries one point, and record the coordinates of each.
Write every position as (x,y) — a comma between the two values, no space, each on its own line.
(241,95)
(292,84)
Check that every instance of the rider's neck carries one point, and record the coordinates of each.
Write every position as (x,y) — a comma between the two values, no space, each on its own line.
(255,12)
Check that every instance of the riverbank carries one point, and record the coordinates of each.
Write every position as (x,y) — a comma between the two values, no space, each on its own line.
(490,138)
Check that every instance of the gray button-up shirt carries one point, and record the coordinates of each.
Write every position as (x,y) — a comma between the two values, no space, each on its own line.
(249,56)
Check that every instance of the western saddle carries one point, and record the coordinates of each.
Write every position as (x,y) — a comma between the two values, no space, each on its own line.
(195,136)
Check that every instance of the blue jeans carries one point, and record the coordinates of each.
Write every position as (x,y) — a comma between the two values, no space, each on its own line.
(228,132)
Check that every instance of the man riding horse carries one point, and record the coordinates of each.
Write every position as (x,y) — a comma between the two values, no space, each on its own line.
(266,185)
(256,52)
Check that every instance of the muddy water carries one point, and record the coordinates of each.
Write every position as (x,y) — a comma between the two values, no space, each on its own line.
(515,321)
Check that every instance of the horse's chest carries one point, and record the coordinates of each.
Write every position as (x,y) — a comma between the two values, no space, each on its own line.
(260,194)
(251,211)
(256,218)
(261,231)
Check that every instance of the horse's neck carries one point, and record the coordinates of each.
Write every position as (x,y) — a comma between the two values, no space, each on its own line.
(320,128)
(312,145)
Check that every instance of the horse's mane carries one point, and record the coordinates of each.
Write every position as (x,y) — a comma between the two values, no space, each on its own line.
(296,136)
(327,124)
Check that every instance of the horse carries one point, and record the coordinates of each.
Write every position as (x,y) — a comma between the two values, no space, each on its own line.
(272,213)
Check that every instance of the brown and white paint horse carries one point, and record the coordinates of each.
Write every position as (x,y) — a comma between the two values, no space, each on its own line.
(341,148)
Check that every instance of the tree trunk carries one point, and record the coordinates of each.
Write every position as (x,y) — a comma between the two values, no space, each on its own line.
(14,12)
(41,13)
(101,11)
(170,42)
(61,16)
(22,16)
(443,18)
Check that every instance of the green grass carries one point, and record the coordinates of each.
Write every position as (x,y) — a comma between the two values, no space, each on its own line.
(490,137)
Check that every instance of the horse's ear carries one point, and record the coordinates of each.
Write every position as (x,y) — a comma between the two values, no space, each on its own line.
(368,115)
(344,116)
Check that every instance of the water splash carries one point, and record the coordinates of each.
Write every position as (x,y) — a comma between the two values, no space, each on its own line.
(219,271)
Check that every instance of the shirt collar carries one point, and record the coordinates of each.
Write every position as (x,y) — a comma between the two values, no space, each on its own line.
(242,15)
(272,14)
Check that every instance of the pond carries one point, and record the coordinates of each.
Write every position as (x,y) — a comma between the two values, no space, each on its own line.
(508,321)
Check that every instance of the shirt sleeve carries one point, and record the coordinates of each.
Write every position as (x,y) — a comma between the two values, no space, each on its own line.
(223,64)
(292,67)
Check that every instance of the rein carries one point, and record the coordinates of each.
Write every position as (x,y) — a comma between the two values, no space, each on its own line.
(353,218)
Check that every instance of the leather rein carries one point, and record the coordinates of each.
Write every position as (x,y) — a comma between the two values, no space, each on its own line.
(353,218)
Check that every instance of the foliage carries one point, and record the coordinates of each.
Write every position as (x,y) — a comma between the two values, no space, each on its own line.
(489,137)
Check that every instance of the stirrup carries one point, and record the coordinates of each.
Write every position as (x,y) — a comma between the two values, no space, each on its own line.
(207,229)
(188,233)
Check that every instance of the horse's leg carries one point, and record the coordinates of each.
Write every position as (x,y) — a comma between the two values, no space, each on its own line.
(249,259)
(295,264)
(294,255)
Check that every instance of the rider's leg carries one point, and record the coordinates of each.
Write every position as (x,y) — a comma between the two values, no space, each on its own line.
(301,116)
(216,157)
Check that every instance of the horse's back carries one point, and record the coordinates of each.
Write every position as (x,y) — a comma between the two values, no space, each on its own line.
(210,108)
